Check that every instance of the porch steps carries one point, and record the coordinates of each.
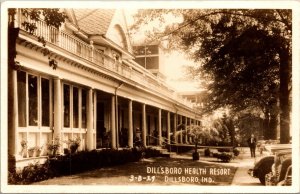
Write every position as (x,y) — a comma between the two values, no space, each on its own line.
(168,154)
(164,152)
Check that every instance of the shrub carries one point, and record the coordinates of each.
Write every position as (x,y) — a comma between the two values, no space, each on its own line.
(35,172)
(206,152)
(150,152)
(196,156)
(76,163)
(236,152)
(224,150)
(223,156)
(11,163)
(32,173)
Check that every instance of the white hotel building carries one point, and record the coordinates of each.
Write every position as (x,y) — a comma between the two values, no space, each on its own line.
(97,92)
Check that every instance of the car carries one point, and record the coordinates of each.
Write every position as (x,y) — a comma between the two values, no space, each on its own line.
(287,181)
(261,168)
(264,165)
(282,161)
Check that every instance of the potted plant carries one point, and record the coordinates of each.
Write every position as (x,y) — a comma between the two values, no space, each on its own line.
(23,152)
(53,147)
(37,151)
(196,155)
(197,133)
(31,151)
(66,151)
(201,135)
(74,144)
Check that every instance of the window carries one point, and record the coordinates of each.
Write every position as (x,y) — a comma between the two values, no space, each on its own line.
(66,107)
(75,107)
(22,98)
(45,102)
(83,108)
(33,100)
(74,102)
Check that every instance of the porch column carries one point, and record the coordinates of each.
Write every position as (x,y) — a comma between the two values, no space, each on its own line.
(130,124)
(159,128)
(181,130)
(113,123)
(89,133)
(95,122)
(175,128)
(185,128)
(144,125)
(190,139)
(57,108)
(168,127)
(12,112)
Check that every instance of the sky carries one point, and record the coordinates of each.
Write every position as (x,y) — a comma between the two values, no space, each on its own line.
(173,62)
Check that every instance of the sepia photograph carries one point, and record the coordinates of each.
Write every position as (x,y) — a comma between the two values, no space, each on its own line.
(150,96)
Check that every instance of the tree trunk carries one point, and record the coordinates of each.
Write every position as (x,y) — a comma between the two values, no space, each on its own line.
(273,126)
(284,96)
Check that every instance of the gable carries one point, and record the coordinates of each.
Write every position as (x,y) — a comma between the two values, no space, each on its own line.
(118,31)
(93,21)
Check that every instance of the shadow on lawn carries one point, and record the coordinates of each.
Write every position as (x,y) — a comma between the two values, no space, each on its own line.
(140,168)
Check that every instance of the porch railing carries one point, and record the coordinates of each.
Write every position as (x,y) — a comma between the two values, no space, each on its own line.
(86,51)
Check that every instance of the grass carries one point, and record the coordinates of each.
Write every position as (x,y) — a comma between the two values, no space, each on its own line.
(133,174)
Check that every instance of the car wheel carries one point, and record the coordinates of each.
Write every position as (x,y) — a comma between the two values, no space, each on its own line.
(262,178)
(262,174)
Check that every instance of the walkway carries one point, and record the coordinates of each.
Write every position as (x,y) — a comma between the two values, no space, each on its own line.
(245,162)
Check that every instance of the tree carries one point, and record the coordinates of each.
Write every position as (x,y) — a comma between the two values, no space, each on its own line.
(225,130)
(200,135)
(244,55)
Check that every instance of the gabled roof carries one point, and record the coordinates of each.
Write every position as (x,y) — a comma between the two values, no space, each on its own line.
(93,21)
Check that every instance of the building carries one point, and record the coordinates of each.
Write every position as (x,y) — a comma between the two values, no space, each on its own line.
(195,97)
(83,82)
(151,58)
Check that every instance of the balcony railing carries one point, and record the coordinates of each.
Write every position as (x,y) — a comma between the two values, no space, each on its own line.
(76,46)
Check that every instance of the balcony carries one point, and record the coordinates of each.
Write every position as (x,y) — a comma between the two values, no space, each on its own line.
(127,69)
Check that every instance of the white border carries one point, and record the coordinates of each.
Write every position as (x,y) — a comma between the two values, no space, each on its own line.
(295,5)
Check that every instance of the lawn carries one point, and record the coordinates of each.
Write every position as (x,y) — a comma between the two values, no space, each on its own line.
(153,171)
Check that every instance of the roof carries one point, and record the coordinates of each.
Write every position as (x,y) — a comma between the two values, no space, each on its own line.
(93,21)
